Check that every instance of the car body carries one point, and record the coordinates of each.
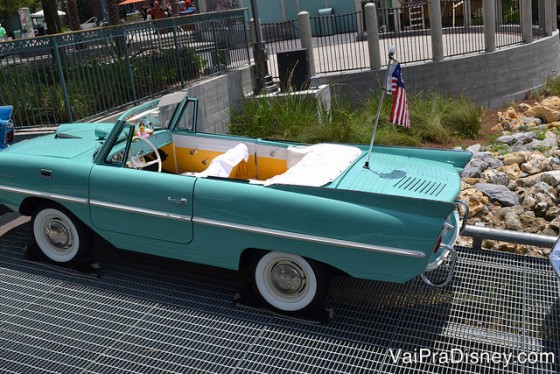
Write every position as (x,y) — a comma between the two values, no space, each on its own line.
(289,213)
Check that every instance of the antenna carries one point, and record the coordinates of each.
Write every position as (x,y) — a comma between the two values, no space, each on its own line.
(392,50)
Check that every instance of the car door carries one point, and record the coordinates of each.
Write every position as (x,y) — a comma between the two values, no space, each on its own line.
(142,204)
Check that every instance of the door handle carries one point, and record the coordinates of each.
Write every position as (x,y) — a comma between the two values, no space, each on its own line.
(177,200)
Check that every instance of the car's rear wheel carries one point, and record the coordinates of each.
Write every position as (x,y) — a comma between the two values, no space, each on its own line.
(289,283)
(58,234)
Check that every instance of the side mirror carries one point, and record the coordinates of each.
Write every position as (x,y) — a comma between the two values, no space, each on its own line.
(101,133)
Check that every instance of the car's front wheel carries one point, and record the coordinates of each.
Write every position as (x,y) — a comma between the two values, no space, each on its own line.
(58,234)
(289,283)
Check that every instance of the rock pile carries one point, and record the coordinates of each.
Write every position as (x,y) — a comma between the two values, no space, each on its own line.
(514,183)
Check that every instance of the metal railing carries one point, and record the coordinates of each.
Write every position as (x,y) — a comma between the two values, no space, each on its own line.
(339,40)
(79,75)
(280,36)
(337,47)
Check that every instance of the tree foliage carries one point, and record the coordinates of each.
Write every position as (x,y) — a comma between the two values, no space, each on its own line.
(9,6)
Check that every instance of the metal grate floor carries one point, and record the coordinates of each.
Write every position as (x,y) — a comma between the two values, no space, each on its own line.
(152,315)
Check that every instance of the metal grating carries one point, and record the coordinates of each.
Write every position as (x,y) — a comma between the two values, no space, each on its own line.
(147,314)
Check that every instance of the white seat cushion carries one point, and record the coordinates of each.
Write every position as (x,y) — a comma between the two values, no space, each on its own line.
(222,165)
(321,164)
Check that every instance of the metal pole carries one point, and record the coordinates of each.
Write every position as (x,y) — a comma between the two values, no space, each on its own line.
(478,233)
(383,90)
(259,51)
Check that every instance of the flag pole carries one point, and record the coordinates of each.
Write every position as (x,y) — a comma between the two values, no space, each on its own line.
(380,105)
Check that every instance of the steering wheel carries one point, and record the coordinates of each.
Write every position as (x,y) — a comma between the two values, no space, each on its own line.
(139,163)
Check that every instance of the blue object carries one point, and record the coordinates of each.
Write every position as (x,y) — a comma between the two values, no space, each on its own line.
(190,10)
(6,126)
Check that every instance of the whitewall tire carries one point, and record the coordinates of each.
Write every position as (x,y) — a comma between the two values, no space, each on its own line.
(289,283)
(59,235)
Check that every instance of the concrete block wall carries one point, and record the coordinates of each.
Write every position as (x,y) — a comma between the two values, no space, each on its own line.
(218,95)
(491,79)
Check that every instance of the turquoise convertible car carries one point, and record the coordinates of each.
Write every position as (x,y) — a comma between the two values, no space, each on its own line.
(287,214)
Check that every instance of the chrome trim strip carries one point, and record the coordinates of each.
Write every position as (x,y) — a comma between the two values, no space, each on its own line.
(147,212)
(554,257)
(23,191)
(311,238)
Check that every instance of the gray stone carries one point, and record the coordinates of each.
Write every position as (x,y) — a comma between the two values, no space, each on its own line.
(495,177)
(552,178)
(474,149)
(528,120)
(498,193)
(474,168)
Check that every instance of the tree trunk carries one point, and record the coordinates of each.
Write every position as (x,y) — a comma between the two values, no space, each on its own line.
(113,10)
(74,15)
(51,17)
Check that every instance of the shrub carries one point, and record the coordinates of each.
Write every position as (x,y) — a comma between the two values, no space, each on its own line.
(434,119)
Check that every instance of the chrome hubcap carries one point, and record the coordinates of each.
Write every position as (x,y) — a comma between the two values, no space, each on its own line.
(57,233)
(287,278)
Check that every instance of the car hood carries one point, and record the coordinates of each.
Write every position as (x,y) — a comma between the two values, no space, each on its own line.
(69,141)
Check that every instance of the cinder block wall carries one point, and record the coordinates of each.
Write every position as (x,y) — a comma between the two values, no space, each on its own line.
(490,79)
(218,95)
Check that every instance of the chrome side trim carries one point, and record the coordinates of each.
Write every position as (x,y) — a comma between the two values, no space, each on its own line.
(311,238)
(23,191)
(554,257)
(146,212)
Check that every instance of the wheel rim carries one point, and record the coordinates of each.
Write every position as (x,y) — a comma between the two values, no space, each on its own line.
(287,282)
(287,279)
(56,235)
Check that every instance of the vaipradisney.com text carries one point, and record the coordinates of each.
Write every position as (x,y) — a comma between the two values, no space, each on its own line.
(460,356)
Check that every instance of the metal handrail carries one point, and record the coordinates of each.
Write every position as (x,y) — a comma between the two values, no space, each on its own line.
(478,233)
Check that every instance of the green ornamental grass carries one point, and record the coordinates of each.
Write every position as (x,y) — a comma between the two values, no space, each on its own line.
(434,119)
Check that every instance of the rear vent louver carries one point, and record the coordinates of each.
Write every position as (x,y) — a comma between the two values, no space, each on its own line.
(420,185)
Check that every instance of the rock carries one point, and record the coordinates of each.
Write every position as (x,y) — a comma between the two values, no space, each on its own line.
(535,163)
(519,189)
(531,122)
(555,224)
(469,182)
(488,159)
(512,221)
(517,141)
(475,148)
(546,144)
(523,107)
(546,114)
(495,177)
(553,213)
(510,113)
(539,198)
(475,200)
(498,193)
(515,158)
(532,224)
(552,178)
(551,102)
(529,181)
(474,168)
(513,171)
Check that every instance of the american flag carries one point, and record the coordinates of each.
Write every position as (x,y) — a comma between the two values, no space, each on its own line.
(395,87)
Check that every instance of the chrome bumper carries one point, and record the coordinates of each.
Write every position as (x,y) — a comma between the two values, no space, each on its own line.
(449,255)
(449,252)
(554,257)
